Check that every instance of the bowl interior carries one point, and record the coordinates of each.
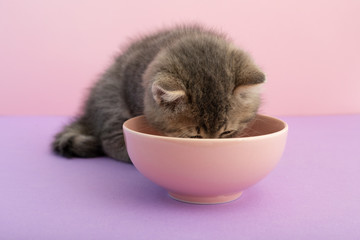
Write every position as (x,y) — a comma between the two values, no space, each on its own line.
(261,125)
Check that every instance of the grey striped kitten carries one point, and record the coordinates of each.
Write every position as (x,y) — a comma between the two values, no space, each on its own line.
(188,81)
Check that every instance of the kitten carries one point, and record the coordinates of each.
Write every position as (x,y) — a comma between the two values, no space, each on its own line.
(188,81)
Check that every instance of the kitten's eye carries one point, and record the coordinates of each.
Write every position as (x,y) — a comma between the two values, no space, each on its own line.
(227,133)
(197,136)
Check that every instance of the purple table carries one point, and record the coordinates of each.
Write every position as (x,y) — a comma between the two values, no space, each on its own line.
(314,193)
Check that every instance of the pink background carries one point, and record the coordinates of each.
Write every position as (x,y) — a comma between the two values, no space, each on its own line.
(52,51)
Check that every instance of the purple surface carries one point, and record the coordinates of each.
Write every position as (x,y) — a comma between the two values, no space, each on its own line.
(313,193)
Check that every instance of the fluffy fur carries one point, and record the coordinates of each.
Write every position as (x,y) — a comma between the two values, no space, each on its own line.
(188,81)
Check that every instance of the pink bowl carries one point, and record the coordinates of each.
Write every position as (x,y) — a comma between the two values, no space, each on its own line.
(206,171)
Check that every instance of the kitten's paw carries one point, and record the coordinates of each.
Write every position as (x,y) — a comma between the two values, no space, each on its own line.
(116,149)
(119,154)
(63,145)
(70,144)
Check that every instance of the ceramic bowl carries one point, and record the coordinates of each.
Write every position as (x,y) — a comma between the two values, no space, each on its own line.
(206,171)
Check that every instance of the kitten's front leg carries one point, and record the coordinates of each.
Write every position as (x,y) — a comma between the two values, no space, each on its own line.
(112,140)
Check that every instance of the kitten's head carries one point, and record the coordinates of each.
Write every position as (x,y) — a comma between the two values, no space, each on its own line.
(202,87)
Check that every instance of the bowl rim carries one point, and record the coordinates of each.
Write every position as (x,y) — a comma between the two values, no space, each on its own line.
(251,138)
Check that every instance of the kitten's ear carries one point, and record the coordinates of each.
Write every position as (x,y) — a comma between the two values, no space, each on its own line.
(251,75)
(163,94)
(248,92)
(246,71)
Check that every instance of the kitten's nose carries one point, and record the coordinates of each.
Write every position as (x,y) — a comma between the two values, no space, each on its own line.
(212,135)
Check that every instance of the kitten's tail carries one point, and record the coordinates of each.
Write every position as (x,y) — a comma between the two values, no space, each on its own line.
(75,141)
